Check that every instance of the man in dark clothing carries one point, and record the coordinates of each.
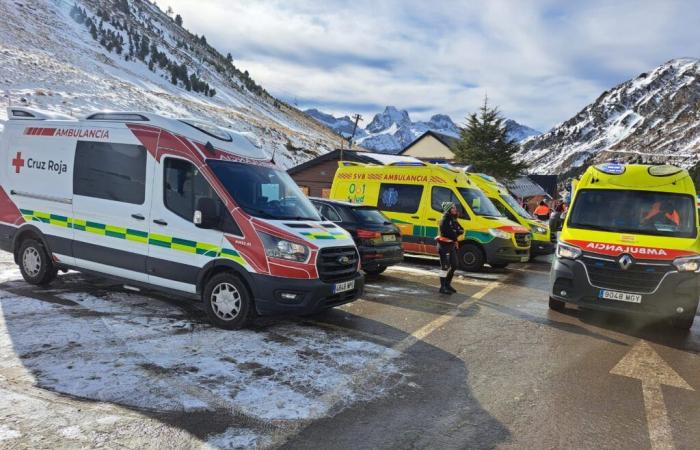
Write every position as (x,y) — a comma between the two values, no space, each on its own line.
(450,230)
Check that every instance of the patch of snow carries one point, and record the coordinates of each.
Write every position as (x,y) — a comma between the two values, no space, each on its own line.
(7,433)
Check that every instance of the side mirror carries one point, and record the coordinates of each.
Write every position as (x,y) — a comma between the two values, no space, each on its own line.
(205,215)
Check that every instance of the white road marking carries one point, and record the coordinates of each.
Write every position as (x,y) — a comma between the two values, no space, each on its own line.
(373,368)
(644,364)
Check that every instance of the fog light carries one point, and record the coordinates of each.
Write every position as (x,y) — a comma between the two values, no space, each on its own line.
(563,293)
(679,310)
(290,297)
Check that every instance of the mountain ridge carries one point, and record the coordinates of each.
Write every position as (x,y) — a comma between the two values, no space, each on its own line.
(650,119)
(393,130)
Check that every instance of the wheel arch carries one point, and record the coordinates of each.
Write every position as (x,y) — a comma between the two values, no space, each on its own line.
(221,265)
(28,232)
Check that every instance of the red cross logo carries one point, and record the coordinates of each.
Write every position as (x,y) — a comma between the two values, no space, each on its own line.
(18,162)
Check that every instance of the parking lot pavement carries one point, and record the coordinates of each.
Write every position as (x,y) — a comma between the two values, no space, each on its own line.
(85,363)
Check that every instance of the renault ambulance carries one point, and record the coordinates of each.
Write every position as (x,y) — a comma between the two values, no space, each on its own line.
(630,243)
(542,239)
(411,193)
(176,205)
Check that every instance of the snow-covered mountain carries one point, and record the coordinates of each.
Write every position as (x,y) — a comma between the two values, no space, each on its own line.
(83,55)
(519,132)
(651,118)
(392,130)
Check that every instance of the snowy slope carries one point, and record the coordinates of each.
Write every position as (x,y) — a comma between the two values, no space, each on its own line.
(392,130)
(50,60)
(652,118)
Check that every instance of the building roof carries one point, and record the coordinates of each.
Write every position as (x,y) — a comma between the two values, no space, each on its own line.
(548,183)
(524,187)
(360,156)
(447,140)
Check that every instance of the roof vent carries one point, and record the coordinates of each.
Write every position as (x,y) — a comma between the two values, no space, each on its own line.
(119,117)
(22,114)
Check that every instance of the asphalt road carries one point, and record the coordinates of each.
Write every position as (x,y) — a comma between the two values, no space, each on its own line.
(404,367)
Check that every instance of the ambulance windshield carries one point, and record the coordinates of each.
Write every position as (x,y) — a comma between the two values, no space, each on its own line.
(479,203)
(516,206)
(264,192)
(641,212)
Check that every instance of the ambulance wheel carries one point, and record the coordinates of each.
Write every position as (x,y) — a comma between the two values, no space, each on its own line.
(556,305)
(35,263)
(227,302)
(471,258)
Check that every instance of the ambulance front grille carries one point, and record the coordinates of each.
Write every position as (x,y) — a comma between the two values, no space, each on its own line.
(337,263)
(640,278)
(522,239)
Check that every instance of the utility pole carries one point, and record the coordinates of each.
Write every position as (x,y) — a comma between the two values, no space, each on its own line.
(357,118)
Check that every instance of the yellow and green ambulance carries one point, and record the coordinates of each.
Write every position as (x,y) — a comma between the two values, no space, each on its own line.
(630,243)
(411,194)
(542,239)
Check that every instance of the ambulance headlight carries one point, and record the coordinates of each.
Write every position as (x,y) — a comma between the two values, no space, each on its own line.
(538,229)
(691,264)
(282,249)
(495,232)
(567,251)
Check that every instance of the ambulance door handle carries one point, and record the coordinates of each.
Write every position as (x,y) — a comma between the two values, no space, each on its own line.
(160,222)
(432,219)
(415,217)
(138,217)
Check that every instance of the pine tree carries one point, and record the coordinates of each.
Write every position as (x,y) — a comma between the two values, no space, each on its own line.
(485,145)
(178,20)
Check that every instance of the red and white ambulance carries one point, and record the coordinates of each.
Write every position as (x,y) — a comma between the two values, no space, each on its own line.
(178,205)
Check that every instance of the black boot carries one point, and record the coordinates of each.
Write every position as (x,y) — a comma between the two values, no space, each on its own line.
(451,289)
(443,287)
(448,284)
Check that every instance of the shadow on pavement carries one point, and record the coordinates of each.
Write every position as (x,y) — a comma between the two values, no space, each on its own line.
(90,340)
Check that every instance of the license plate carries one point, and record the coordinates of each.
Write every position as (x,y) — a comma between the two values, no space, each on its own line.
(389,238)
(344,286)
(524,258)
(620,296)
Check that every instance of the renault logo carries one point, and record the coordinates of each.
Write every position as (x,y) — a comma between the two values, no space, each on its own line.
(625,262)
(344,260)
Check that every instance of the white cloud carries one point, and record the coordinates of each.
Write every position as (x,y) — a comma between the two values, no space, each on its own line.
(540,61)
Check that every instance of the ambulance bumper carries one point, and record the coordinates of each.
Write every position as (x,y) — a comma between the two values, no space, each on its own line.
(273,294)
(539,248)
(570,283)
(502,251)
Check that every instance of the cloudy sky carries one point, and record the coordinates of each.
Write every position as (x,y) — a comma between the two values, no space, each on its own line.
(540,61)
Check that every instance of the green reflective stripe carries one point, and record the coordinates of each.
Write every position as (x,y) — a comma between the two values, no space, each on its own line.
(141,237)
(479,236)
(323,235)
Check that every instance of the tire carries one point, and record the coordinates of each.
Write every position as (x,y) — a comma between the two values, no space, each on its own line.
(471,258)
(556,305)
(227,302)
(375,272)
(498,265)
(35,264)
(683,321)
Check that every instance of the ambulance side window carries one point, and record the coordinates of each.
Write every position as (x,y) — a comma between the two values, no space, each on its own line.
(184,185)
(439,195)
(402,198)
(110,171)
(502,209)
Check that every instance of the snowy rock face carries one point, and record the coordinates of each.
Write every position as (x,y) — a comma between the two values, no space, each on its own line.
(120,55)
(392,130)
(652,118)
(518,132)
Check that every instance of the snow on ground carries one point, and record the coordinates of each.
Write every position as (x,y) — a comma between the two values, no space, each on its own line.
(91,340)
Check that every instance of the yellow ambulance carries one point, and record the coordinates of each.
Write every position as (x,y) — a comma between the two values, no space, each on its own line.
(542,239)
(411,194)
(630,243)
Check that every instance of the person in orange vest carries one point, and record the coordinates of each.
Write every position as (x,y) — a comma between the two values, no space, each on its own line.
(542,211)
(449,232)
(663,213)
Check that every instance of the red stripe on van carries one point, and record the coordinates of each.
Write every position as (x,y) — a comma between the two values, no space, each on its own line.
(9,213)
(48,131)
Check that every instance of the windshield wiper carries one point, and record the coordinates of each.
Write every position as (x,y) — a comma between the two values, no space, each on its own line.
(259,211)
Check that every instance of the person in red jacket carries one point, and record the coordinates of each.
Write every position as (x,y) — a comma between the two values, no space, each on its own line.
(542,211)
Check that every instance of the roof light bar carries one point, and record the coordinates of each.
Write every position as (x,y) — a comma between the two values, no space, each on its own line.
(664,170)
(612,168)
